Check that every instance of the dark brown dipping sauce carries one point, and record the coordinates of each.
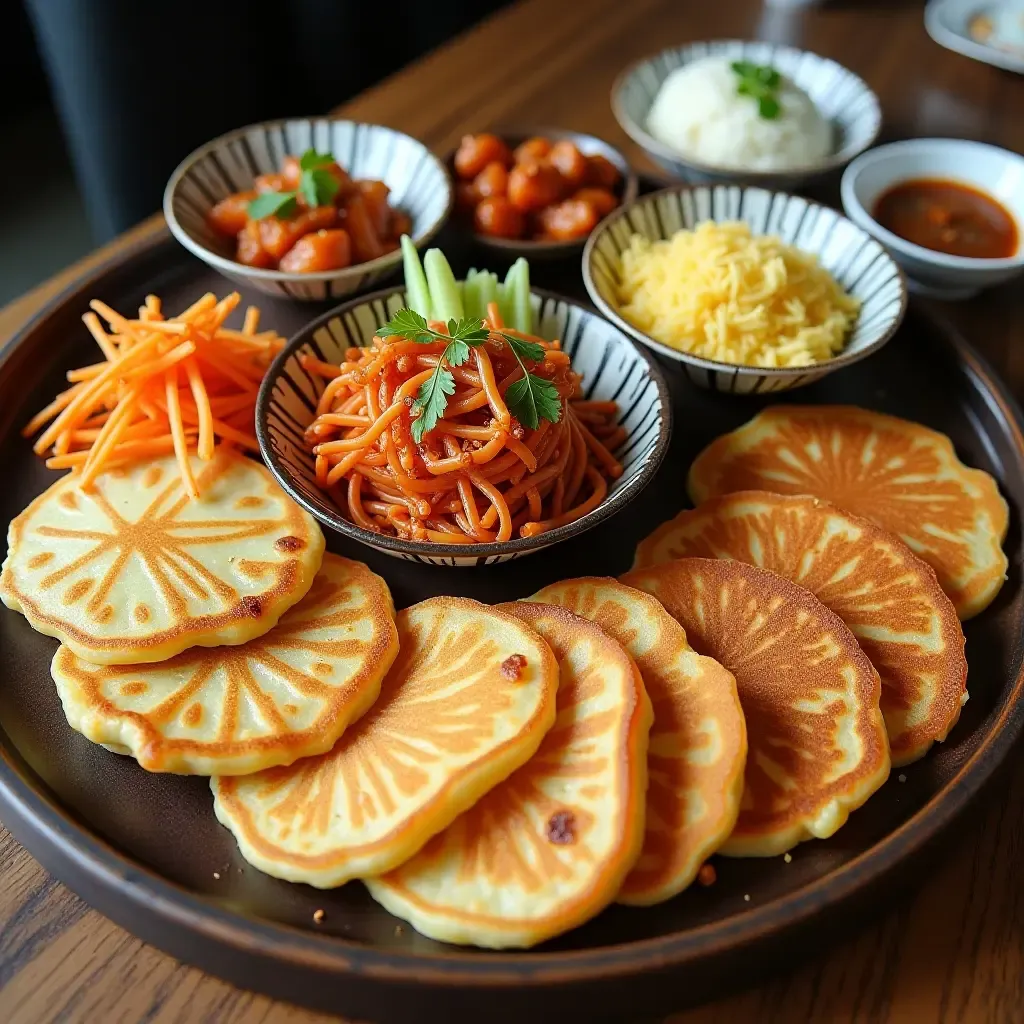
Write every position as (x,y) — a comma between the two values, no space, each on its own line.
(948,217)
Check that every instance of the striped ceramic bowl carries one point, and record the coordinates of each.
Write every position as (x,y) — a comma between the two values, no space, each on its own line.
(419,185)
(612,368)
(859,263)
(842,98)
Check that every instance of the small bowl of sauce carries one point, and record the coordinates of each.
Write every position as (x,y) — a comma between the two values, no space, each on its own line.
(948,216)
(950,211)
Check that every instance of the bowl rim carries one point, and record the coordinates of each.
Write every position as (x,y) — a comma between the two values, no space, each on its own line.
(639,134)
(957,39)
(858,212)
(525,246)
(229,266)
(427,549)
(739,369)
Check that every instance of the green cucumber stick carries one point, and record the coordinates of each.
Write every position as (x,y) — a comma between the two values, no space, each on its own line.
(444,292)
(488,290)
(471,296)
(522,310)
(505,298)
(416,291)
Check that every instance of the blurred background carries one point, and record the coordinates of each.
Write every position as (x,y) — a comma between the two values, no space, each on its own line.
(101,99)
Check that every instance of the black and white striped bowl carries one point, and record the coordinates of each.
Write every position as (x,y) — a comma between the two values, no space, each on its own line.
(419,185)
(842,98)
(859,263)
(612,368)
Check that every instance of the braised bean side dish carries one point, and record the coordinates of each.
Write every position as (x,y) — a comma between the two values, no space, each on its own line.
(310,217)
(541,191)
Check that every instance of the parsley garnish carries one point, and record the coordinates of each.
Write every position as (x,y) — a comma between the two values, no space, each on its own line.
(761,83)
(529,399)
(432,397)
(270,204)
(317,185)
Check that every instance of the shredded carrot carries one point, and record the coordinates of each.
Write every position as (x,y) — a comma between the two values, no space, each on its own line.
(136,403)
(479,475)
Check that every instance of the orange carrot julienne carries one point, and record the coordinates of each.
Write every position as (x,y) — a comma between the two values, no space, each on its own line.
(182,382)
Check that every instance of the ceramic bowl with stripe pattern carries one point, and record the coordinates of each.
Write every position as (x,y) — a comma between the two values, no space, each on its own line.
(419,184)
(613,368)
(842,98)
(859,263)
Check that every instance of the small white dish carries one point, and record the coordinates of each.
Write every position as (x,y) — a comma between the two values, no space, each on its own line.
(843,99)
(419,185)
(948,22)
(859,263)
(997,172)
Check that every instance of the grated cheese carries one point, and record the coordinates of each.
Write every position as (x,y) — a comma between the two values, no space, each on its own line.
(721,293)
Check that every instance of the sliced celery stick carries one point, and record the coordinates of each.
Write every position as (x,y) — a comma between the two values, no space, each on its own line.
(416,291)
(488,289)
(505,293)
(522,311)
(444,294)
(471,305)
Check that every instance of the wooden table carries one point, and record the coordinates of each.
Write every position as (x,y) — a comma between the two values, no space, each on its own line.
(952,951)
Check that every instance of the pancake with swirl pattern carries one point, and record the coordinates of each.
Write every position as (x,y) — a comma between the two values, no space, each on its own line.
(816,743)
(698,742)
(889,598)
(549,847)
(234,710)
(468,701)
(134,570)
(900,475)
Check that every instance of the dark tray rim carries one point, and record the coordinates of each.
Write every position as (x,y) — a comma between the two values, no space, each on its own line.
(143,902)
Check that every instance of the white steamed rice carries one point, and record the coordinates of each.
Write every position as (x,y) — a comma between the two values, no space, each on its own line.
(699,114)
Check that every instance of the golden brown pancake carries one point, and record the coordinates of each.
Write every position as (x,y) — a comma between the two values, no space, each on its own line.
(551,846)
(234,710)
(816,740)
(698,743)
(135,571)
(468,701)
(900,475)
(889,598)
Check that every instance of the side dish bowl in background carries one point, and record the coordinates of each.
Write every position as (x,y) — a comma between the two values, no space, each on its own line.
(589,145)
(841,97)
(858,263)
(995,172)
(612,367)
(418,182)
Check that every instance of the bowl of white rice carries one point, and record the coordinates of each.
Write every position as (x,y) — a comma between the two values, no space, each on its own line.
(744,289)
(748,112)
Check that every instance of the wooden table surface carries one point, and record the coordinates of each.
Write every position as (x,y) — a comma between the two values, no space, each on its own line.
(951,951)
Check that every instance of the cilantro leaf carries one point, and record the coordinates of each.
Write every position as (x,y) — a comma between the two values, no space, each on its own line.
(408,324)
(269,204)
(311,159)
(528,350)
(761,83)
(319,187)
(472,332)
(531,399)
(456,352)
(431,400)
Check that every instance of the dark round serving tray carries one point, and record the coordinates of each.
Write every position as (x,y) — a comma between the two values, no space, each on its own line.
(144,849)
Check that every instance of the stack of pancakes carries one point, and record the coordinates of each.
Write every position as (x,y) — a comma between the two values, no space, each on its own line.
(499,775)
(209,636)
